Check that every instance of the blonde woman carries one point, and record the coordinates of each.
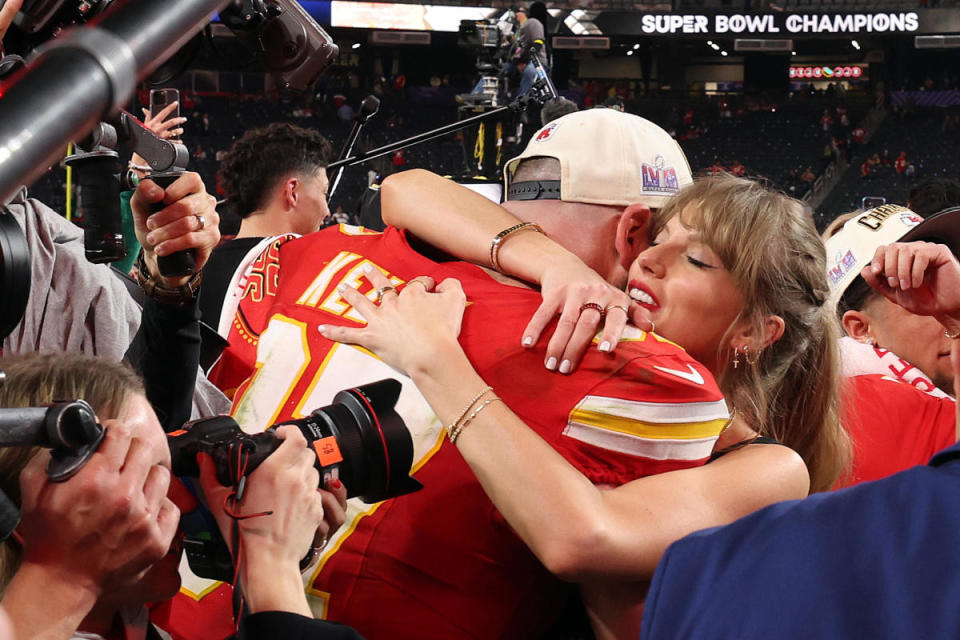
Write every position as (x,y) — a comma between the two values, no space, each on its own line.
(735,274)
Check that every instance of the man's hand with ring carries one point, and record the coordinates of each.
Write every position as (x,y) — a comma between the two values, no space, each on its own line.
(189,221)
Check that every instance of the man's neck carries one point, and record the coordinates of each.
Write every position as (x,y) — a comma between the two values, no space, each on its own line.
(264,223)
(103,620)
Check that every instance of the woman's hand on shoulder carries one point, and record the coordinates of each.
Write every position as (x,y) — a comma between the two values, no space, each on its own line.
(587,305)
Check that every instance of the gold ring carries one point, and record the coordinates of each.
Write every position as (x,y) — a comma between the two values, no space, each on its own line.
(595,306)
(417,281)
(200,220)
(617,306)
(653,327)
(383,290)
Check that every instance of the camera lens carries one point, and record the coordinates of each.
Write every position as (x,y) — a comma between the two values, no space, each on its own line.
(362,440)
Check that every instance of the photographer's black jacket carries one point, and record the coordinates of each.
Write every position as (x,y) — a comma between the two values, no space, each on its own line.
(166,352)
(292,626)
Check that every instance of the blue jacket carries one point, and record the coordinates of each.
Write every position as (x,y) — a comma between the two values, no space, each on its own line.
(878,560)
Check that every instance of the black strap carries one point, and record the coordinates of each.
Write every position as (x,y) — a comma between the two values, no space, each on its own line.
(742,444)
(534,190)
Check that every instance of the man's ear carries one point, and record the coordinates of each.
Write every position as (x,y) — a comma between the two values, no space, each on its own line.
(632,233)
(291,192)
(857,325)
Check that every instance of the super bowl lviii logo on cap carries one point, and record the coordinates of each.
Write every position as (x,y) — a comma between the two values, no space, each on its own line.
(659,178)
(843,262)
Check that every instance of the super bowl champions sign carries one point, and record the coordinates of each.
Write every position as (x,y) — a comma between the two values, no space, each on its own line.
(784,25)
(790,24)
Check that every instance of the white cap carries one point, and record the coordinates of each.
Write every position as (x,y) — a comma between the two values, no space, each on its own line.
(853,247)
(609,157)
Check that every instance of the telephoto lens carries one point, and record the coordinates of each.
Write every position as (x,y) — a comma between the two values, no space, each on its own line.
(359,439)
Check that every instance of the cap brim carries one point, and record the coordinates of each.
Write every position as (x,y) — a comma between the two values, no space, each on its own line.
(941,227)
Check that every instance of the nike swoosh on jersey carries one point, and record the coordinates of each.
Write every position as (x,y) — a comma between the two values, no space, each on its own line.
(692,375)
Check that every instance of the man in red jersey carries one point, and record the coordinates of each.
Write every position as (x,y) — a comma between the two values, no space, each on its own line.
(442,562)
(896,367)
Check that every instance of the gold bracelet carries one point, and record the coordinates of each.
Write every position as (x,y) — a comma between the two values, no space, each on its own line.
(499,238)
(467,408)
(456,432)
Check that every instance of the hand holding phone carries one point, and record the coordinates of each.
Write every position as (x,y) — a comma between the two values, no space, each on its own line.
(163,117)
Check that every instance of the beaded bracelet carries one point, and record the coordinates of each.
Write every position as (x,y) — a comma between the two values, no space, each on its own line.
(499,238)
(466,409)
(456,432)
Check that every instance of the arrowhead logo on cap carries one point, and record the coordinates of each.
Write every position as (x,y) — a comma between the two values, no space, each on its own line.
(547,132)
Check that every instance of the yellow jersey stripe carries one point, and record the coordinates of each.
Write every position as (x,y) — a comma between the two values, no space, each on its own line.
(655,412)
(644,429)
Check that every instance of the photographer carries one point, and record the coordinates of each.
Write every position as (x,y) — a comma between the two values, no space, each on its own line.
(166,348)
(95,313)
(91,551)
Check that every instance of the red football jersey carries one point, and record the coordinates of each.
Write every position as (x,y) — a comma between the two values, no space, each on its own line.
(442,562)
(894,426)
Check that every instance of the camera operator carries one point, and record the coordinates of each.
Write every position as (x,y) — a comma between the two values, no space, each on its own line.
(91,551)
(95,312)
(530,41)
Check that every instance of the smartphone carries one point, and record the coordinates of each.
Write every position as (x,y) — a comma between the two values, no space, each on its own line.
(870,202)
(160,98)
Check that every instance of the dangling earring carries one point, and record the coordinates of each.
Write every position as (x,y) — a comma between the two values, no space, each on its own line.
(736,356)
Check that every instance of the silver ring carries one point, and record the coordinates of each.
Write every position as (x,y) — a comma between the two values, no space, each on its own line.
(200,219)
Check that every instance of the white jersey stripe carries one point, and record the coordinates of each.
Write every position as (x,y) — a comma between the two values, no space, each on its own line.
(654,449)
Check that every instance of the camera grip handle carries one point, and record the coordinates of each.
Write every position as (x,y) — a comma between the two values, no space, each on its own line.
(181,263)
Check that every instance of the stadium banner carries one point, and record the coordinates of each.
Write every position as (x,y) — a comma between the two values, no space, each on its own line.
(827,72)
(785,25)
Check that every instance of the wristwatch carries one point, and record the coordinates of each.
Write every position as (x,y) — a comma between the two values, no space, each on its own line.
(151,286)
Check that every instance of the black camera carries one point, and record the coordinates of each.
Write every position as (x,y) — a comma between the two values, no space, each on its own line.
(359,439)
(70,429)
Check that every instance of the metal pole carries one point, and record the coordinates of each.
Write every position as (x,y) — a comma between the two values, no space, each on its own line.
(417,139)
(83,76)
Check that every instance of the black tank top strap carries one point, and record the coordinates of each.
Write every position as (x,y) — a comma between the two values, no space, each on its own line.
(741,444)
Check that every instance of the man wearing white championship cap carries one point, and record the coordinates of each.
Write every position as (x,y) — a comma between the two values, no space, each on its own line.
(442,562)
(889,272)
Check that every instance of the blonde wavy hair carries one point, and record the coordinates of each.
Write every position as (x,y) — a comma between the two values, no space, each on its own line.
(768,243)
(38,379)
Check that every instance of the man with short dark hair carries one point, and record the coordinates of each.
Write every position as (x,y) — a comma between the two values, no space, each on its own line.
(275,178)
